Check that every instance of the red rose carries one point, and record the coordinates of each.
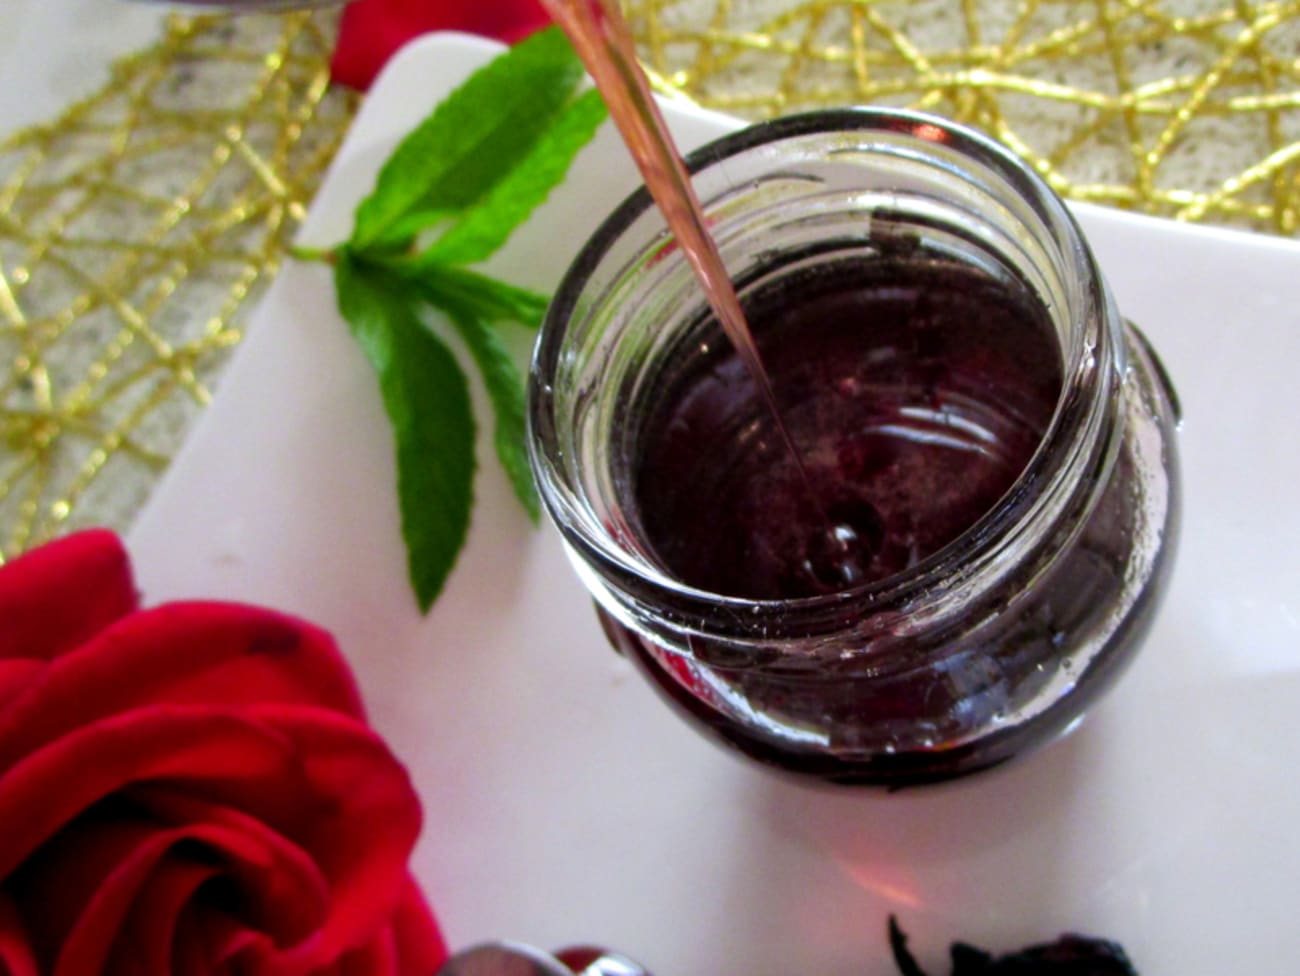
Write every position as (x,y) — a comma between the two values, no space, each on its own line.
(371,31)
(190,789)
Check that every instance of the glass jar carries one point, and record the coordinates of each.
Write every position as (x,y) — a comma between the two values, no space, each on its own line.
(1000,639)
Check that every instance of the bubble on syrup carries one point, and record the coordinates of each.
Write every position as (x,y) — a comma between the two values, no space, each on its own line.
(840,554)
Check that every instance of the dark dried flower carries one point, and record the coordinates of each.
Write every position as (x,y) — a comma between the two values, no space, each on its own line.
(1070,955)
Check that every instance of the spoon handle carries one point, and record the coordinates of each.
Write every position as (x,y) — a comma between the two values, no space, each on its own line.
(501,958)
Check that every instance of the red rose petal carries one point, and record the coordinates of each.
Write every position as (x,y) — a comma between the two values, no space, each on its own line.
(276,892)
(158,909)
(284,892)
(178,654)
(56,597)
(366,865)
(379,955)
(16,674)
(41,793)
(54,887)
(197,944)
(146,758)
(86,947)
(419,942)
(229,947)
(16,958)
(372,31)
(317,777)
(281,897)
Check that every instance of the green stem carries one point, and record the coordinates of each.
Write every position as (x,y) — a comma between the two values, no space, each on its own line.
(325,255)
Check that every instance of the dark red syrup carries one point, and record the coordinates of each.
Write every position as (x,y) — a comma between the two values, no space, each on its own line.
(915,391)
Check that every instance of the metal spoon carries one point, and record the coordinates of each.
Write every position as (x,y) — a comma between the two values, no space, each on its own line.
(595,961)
(503,958)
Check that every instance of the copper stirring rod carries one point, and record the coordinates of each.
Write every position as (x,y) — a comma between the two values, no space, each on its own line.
(601,37)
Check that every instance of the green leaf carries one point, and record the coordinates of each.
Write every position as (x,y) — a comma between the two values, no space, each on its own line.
(408,228)
(478,234)
(466,177)
(428,405)
(476,294)
(474,137)
(505,389)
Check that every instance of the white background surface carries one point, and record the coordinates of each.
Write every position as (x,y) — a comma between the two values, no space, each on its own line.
(564,803)
(53,52)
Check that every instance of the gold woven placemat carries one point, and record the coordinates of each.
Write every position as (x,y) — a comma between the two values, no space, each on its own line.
(138,229)
(1182,108)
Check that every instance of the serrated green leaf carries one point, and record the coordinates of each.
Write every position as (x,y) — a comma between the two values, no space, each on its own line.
(474,137)
(482,230)
(467,176)
(505,388)
(489,299)
(405,230)
(428,405)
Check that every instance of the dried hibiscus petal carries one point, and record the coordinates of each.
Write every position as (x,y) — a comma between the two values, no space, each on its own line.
(1070,955)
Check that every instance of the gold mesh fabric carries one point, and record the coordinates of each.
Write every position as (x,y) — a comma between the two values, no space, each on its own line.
(135,233)
(1183,108)
(137,230)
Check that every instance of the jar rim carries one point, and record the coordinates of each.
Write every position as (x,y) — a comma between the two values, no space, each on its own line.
(1084,385)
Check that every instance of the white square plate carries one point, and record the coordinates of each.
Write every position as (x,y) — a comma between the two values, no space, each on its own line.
(564,803)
